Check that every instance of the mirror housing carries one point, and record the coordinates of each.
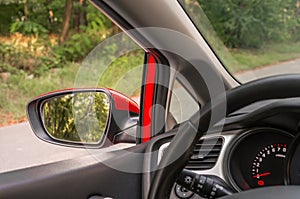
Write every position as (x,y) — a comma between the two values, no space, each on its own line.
(116,123)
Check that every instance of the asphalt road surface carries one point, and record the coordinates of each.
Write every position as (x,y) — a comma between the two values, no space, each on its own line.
(20,148)
(288,67)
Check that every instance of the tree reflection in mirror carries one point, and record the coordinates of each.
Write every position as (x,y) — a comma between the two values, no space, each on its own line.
(77,117)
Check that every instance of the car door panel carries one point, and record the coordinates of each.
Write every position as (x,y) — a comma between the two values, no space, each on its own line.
(77,178)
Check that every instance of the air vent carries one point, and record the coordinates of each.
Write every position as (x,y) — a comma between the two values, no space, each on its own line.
(206,154)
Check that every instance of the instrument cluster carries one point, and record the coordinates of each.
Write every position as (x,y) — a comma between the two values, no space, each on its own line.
(258,158)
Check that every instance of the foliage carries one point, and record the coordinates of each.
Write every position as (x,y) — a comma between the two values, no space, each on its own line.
(30,57)
(247,59)
(125,73)
(6,13)
(80,44)
(77,117)
(8,2)
(40,65)
(14,59)
(76,47)
(22,87)
(97,22)
(251,23)
(28,28)
(39,18)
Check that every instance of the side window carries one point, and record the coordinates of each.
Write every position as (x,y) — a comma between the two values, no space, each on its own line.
(183,105)
(116,63)
(125,74)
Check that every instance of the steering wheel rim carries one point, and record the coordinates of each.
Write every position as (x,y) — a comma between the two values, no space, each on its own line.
(277,87)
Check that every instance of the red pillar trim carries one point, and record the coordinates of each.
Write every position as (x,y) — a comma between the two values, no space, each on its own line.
(148,99)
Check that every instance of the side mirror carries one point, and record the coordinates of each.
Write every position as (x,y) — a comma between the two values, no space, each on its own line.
(92,118)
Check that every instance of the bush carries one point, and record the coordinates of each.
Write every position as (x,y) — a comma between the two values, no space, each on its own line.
(76,47)
(32,58)
(80,44)
(28,28)
(16,59)
(6,13)
(250,23)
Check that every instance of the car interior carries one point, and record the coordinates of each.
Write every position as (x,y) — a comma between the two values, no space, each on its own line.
(229,140)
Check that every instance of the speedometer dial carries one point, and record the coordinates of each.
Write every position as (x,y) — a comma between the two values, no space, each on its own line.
(257,158)
(267,165)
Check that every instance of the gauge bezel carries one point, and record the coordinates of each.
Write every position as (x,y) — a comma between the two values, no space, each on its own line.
(236,143)
(293,163)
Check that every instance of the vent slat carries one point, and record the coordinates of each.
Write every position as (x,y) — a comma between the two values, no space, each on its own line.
(209,144)
(199,167)
(206,154)
(201,157)
(207,150)
(210,160)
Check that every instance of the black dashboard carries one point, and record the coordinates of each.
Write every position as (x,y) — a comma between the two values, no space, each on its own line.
(250,152)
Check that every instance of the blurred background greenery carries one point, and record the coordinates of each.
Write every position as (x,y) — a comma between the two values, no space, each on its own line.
(42,42)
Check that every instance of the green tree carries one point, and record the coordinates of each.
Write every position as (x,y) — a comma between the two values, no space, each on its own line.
(249,23)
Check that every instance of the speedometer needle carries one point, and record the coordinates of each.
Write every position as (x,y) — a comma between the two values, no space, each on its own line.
(261,175)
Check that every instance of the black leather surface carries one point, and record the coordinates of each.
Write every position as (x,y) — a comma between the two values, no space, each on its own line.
(278,192)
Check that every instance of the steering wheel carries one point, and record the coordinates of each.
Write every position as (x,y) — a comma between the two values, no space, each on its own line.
(278,87)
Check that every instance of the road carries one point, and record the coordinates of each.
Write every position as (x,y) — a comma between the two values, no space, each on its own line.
(20,148)
(282,68)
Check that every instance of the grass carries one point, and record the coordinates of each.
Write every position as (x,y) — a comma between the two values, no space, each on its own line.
(15,94)
(247,59)
(124,74)
(21,87)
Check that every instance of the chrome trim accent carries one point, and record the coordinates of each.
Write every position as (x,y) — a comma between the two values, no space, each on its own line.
(218,169)
(161,150)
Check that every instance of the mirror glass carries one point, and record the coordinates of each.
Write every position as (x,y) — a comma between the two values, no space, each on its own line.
(77,117)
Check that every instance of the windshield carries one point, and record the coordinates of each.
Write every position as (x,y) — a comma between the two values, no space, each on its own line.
(252,38)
